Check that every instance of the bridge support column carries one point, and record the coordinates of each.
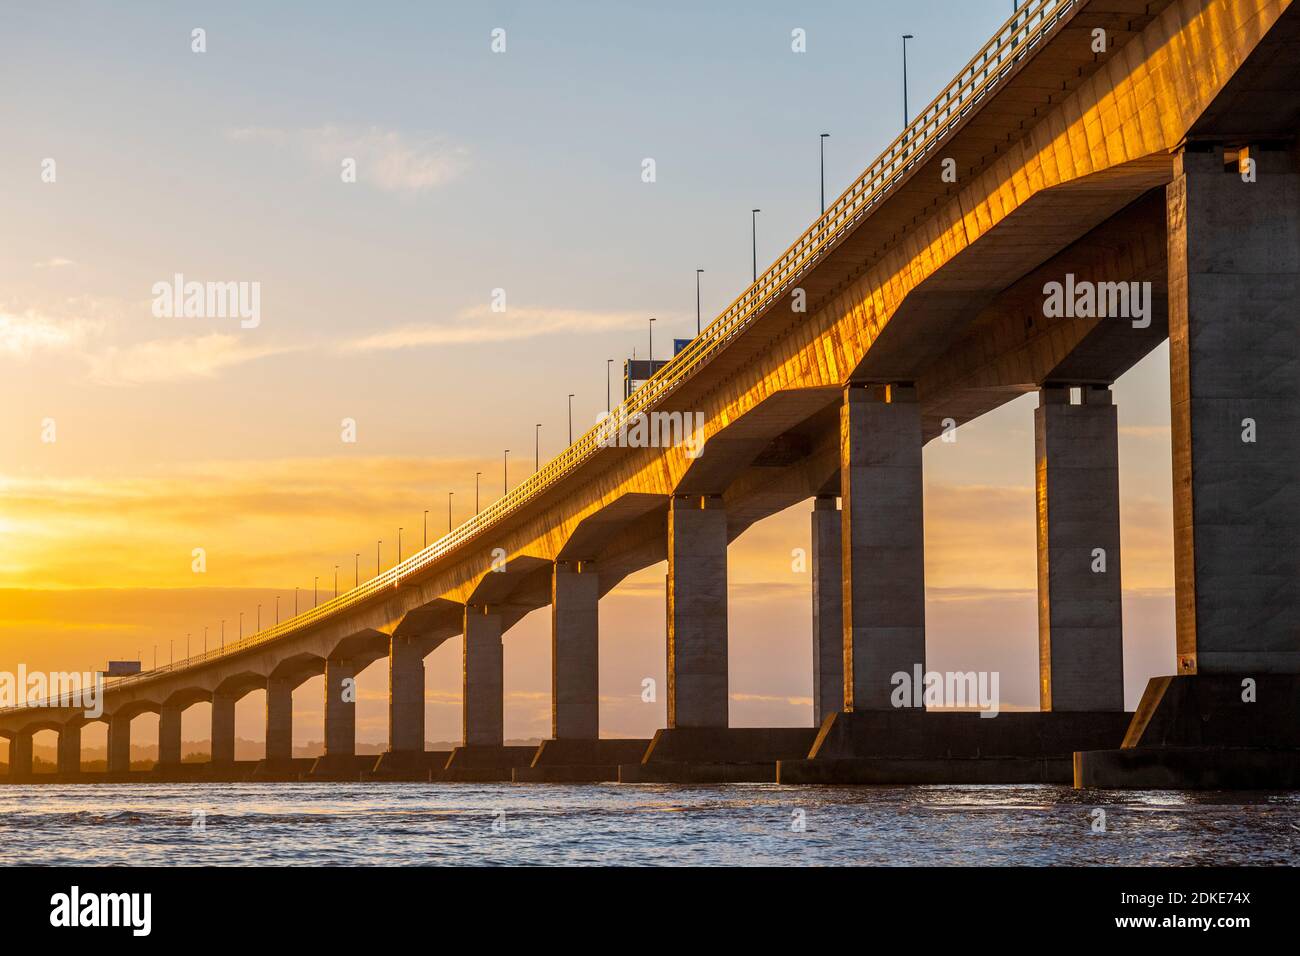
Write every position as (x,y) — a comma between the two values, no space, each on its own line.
(828,610)
(119,744)
(1234,279)
(405,696)
(484,682)
(1080,620)
(697,612)
(279,719)
(223,729)
(20,755)
(169,736)
(70,749)
(575,630)
(883,541)
(340,709)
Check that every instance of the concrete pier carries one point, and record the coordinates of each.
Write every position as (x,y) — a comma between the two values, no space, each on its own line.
(828,610)
(405,696)
(279,719)
(169,736)
(575,670)
(223,729)
(697,612)
(1234,280)
(340,709)
(119,744)
(1080,629)
(20,755)
(483,694)
(69,749)
(883,541)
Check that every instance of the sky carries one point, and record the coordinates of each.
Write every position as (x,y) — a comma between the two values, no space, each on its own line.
(129,439)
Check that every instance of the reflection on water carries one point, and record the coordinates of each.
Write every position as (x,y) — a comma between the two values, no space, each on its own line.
(401,824)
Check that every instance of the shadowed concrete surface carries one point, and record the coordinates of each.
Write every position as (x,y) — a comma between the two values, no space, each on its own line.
(1166,162)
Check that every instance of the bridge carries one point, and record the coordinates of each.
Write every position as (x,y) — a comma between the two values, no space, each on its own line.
(1109,146)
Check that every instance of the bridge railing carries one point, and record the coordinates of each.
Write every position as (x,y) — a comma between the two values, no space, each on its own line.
(994,62)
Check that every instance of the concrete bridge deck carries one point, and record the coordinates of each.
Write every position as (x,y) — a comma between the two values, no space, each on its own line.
(1101,142)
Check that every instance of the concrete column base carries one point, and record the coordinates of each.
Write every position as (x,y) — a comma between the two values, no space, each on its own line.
(1205,731)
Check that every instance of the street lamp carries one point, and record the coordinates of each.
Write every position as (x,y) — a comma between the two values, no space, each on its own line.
(609,404)
(399,545)
(651,353)
(295,600)
(277,609)
(315,579)
(356,569)
(377,546)
(753,221)
(477,476)
(241,625)
(698,273)
(505,472)
(336,580)
(570,418)
(449,494)
(426,528)
(537,447)
(205,639)
(223,633)
(906,37)
(822,140)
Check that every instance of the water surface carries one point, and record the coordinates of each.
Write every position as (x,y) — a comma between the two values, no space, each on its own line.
(738,824)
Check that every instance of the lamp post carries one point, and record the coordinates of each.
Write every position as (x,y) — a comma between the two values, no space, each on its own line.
(753,221)
(241,625)
(378,544)
(651,354)
(223,633)
(906,118)
(505,472)
(399,545)
(295,600)
(277,609)
(570,418)
(477,476)
(425,539)
(314,581)
(449,494)
(356,569)
(537,447)
(336,581)
(822,140)
(205,639)
(609,404)
(698,273)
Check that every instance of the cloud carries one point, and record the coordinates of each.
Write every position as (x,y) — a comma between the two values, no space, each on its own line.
(52,263)
(174,360)
(26,333)
(480,324)
(386,159)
